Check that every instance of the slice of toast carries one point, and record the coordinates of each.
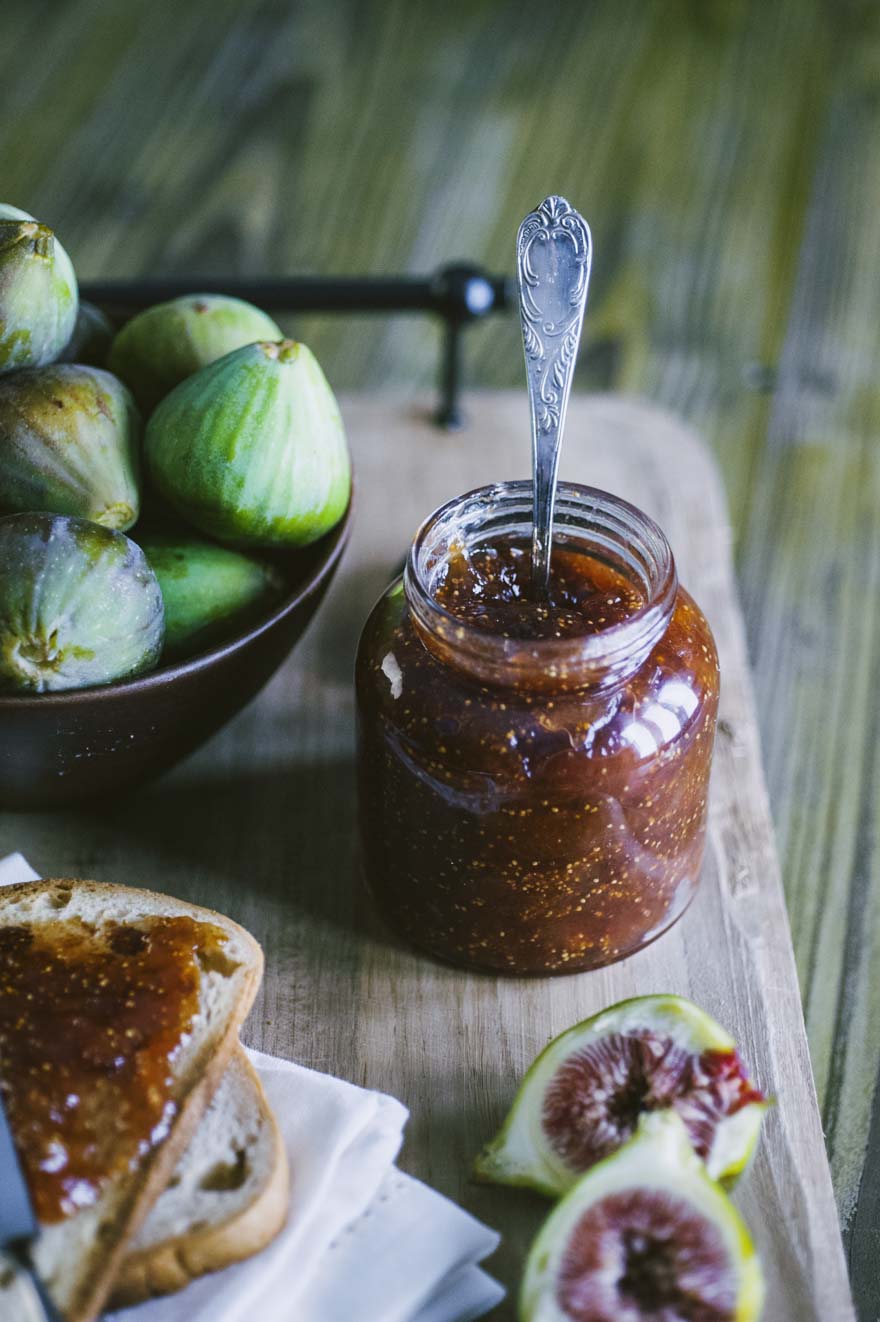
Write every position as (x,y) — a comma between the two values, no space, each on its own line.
(78,1257)
(226,1200)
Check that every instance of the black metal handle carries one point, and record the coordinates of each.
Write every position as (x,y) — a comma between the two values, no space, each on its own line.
(459,294)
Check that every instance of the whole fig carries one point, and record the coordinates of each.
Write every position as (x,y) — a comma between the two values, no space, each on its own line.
(252,450)
(164,345)
(38,292)
(70,440)
(209,591)
(79,605)
(91,339)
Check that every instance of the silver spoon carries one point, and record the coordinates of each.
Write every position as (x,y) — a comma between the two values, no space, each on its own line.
(553,254)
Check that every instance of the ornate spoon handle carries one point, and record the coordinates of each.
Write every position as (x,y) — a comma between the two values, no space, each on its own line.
(553,252)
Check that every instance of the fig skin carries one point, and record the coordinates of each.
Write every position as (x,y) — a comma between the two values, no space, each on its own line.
(209,591)
(252,450)
(91,339)
(165,344)
(38,292)
(587,1263)
(79,605)
(70,442)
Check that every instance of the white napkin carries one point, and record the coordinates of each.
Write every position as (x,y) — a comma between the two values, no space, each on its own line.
(363,1241)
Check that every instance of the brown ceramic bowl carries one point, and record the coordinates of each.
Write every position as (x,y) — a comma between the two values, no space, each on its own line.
(61,748)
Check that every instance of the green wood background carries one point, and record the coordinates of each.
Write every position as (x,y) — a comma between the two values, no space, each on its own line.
(727,154)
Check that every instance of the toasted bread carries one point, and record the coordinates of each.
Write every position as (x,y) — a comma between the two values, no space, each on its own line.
(79,1256)
(226,1200)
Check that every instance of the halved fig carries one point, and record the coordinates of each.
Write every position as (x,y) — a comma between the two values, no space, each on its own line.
(584,1095)
(645,1236)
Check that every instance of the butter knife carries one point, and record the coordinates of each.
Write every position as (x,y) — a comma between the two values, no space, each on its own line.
(22,1294)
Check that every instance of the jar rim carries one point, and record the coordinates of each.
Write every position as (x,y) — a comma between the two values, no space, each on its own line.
(585,516)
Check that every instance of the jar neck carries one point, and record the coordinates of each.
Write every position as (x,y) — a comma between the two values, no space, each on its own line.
(586,520)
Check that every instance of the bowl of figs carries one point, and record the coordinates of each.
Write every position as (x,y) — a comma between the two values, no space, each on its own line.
(175,497)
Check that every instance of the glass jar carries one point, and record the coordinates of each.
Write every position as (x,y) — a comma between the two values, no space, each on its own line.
(535,804)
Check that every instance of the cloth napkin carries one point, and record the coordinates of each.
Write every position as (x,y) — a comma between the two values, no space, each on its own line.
(363,1242)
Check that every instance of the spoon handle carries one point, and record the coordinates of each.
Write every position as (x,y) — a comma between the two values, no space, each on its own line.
(553,252)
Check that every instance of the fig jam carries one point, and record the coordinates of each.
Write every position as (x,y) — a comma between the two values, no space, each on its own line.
(491,587)
(91,1020)
(533,771)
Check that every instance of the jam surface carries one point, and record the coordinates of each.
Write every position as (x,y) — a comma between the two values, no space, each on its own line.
(90,1023)
(533,826)
(491,587)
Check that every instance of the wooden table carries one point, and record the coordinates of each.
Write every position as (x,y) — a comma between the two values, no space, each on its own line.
(728,156)
(261,824)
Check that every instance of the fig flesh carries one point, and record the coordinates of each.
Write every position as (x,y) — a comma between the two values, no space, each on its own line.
(209,591)
(70,439)
(252,450)
(38,292)
(79,605)
(165,344)
(91,338)
(584,1095)
(644,1236)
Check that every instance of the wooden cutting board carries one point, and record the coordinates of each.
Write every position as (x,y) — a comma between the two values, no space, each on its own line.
(260,824)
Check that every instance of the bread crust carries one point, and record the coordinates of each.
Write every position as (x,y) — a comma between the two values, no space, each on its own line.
(171,1265)
(153,1174)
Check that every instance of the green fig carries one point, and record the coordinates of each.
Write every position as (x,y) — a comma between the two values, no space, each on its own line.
(91,338)
(38,292)
(70,440)
(252,450)
(584,1094)
(208,590)
(79,605)
(645,1234)
(164,345)
(9,212)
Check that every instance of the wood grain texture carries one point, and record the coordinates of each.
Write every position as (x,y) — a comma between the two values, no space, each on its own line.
(260,823)
(727,154)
